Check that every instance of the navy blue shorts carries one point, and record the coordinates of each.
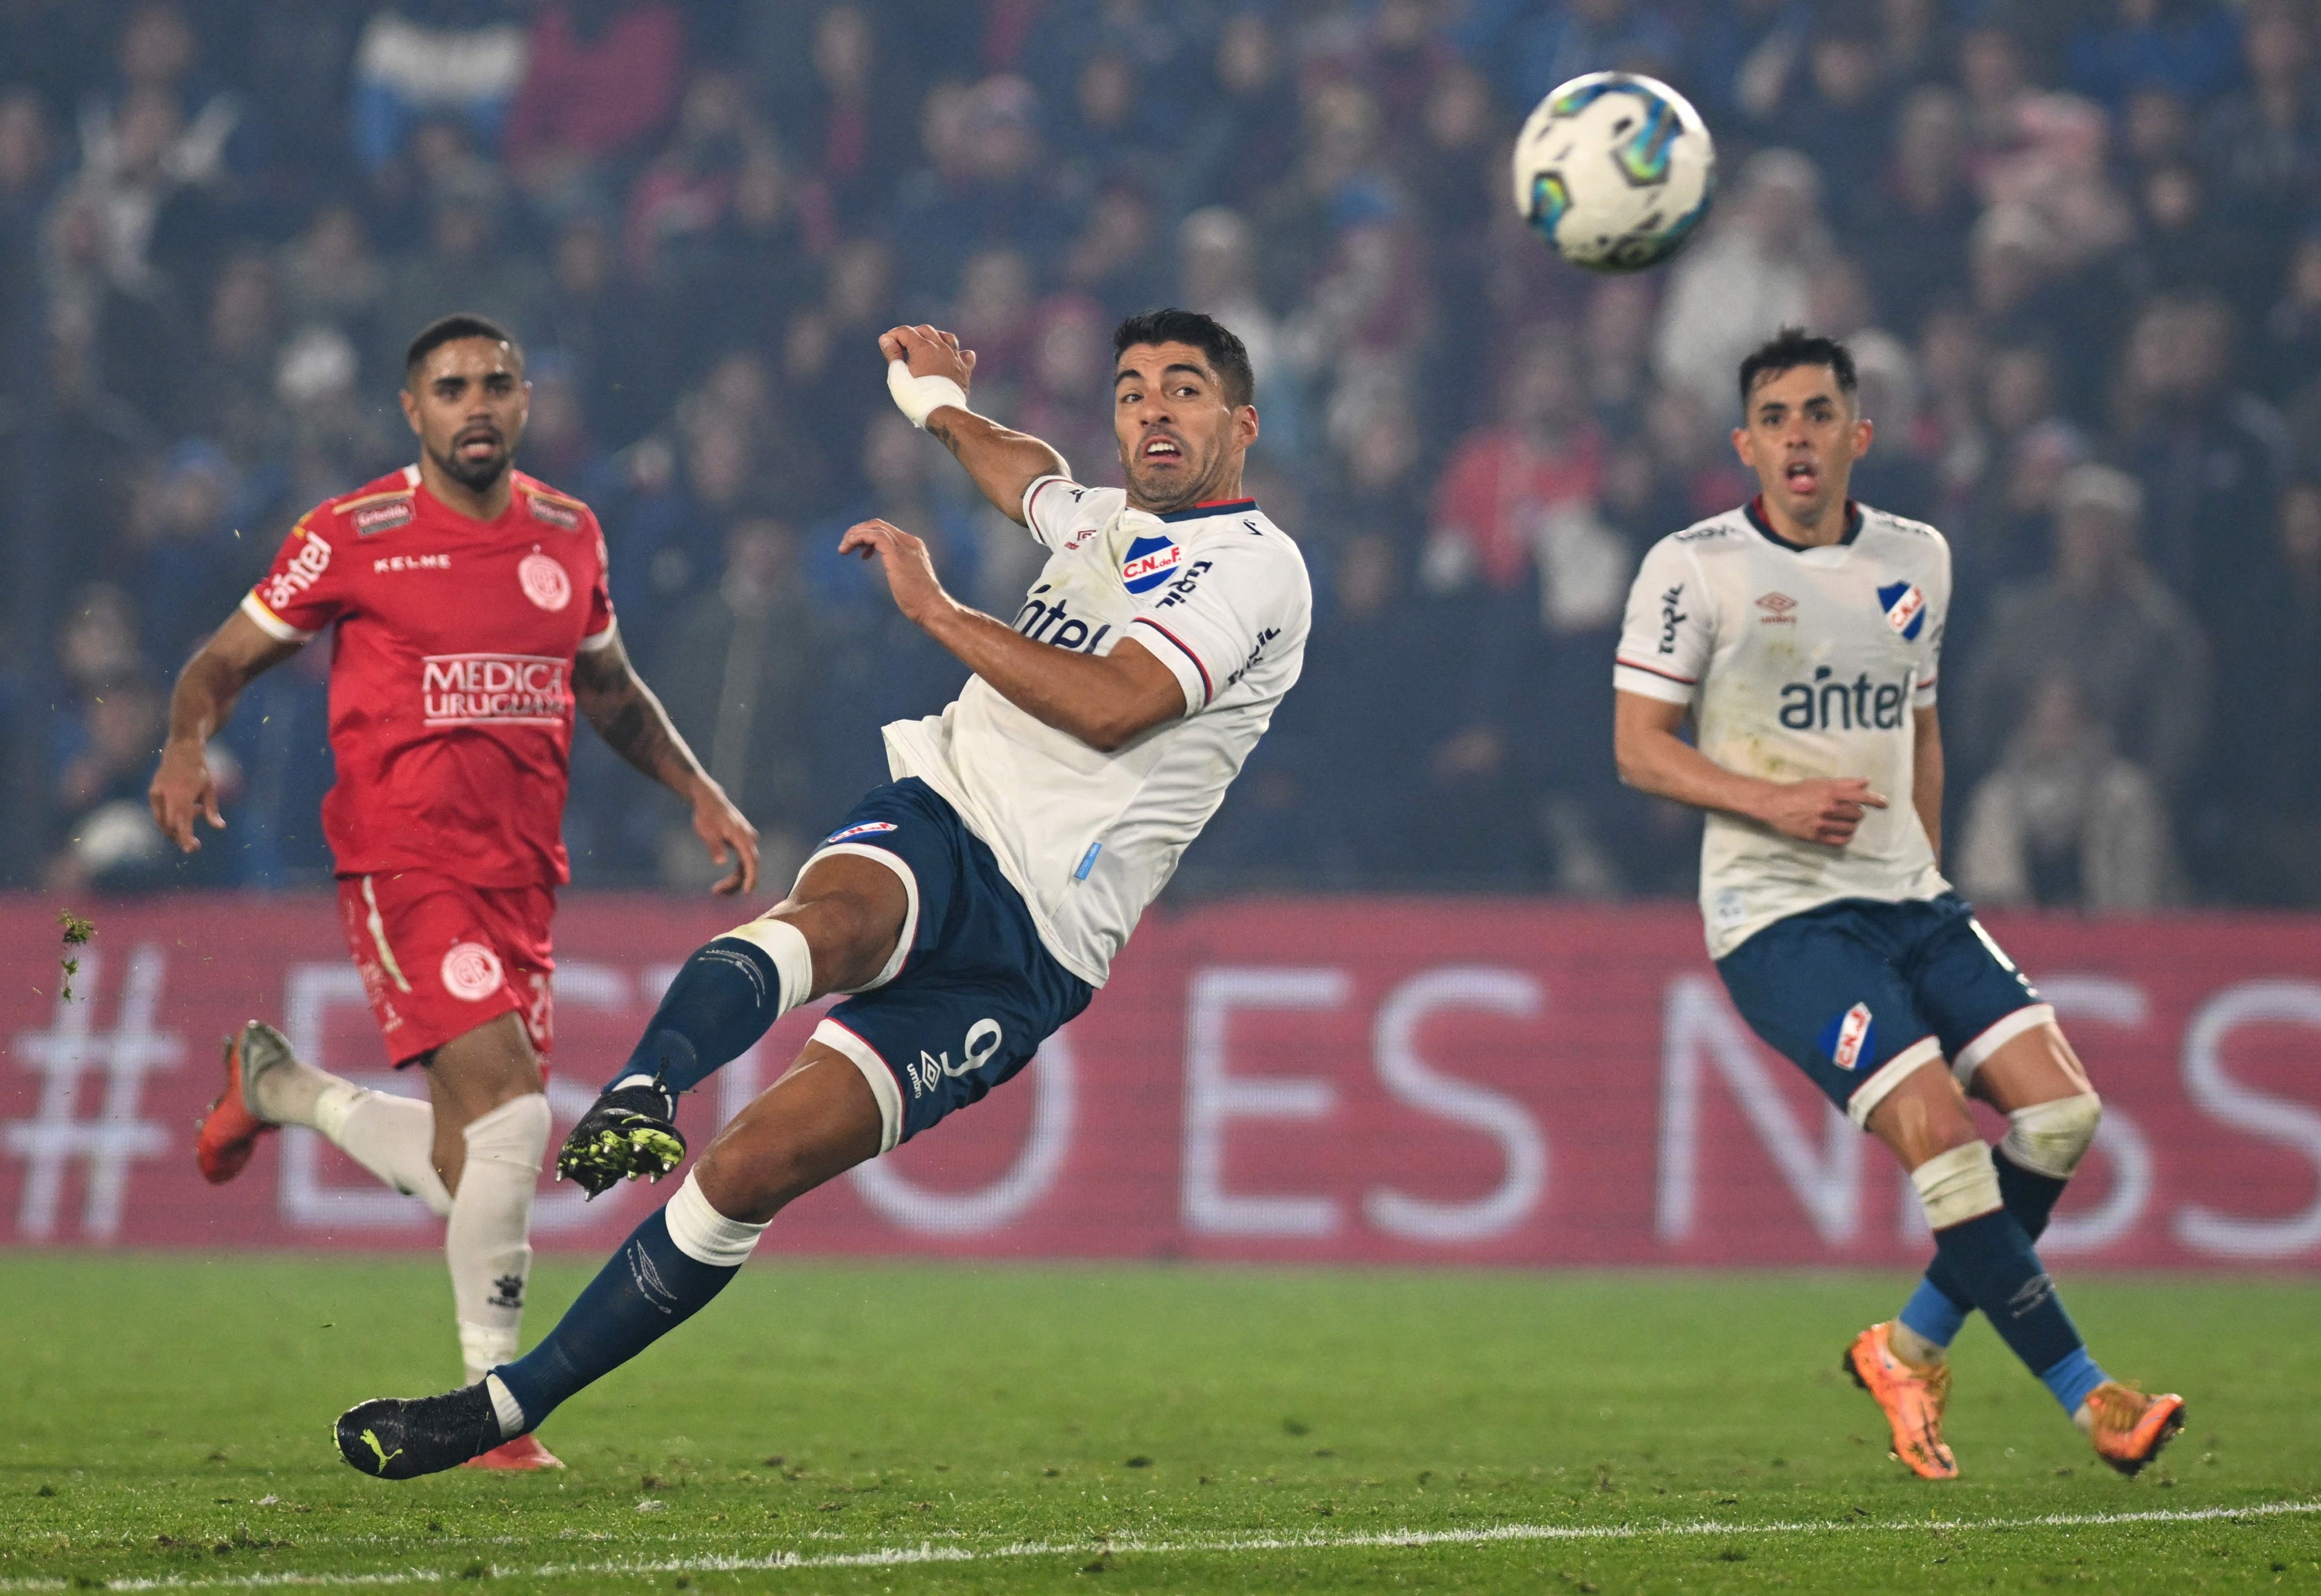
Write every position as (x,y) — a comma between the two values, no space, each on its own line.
(971,991)
(1859,993)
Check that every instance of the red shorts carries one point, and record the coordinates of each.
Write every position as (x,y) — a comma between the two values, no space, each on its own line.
(439,957)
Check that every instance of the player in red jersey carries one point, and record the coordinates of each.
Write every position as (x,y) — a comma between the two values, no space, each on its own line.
(471,617)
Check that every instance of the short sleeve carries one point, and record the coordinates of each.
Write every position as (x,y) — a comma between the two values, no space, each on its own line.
(602,621)
(1930,662)
(1669,630)
(1232,598)
(1058,510)
(303,592)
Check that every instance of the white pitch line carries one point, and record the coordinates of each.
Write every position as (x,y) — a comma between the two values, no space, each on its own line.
(927,1553)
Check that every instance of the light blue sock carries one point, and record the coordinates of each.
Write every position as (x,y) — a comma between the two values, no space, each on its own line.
(2072,1379)
(1931,1312)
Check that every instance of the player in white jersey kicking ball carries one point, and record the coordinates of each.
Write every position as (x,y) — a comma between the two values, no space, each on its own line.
(1801,632)
(973,905)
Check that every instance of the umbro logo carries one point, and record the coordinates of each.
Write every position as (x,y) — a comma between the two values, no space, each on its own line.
(1781,609)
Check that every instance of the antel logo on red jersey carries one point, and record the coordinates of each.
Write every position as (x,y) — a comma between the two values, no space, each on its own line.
(468,689)
(305,568)
(544,580)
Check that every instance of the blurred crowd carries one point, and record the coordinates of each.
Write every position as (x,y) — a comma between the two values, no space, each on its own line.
(2076,246)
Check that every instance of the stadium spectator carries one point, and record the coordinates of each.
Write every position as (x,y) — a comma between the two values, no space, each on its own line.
(2264,141)
(2189,48)
(598,76)
(2269,765)
(740,675)
(2104,623)
(2064,822)
(1246,141)
(1912,224)
(1747,276)
(2210,454)
(1841,117)
(461,62)
(1527,47)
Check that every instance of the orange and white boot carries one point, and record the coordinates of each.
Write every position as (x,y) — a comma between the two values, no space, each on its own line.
(523,1454)
(2129,1428)
(1911,1397)
(230,1130)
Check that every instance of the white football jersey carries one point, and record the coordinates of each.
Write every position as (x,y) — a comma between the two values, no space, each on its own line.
(1219,595)
(1796,662)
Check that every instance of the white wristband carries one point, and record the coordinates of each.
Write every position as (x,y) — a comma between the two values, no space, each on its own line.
(919,397)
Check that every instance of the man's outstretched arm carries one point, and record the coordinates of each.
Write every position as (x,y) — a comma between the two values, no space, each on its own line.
(630,719)
(1654,758)
(931,389)
(1105,700)
(236,654)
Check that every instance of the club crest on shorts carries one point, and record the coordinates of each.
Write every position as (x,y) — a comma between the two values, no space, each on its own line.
(1906,608)
(471,972)
(544,580)
(1150,561)
(869,828)
(1848,1037)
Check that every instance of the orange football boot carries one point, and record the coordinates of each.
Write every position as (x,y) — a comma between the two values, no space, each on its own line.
(2128,1428)
(229,1132)
(1911,1397)
(521,1454)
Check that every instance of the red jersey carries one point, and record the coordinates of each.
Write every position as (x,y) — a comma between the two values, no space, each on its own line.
(450,686)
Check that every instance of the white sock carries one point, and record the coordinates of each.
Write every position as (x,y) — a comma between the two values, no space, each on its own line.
(505,1406)
(393,1137)
(485,1243)
(293,1093)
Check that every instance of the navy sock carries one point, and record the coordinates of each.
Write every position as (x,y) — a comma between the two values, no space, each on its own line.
(1939,1305)
(1991,1256)
(725,996)
(646,1290)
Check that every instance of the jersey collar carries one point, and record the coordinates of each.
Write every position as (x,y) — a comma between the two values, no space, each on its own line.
(1755,510)
(1215,507)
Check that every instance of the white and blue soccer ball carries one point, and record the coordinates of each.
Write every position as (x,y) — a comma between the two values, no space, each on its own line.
(1616,170)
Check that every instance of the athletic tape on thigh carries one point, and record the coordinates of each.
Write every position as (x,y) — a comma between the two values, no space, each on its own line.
(835,1037)
(1873,1091)
(902,868)
(1956,1186)
(2050,1138)
(1995,1036)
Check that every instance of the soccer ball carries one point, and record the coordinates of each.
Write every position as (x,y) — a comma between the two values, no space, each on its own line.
(1616,170)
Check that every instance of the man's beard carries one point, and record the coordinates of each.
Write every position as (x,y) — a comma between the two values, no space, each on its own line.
(474,475)
(1165,496)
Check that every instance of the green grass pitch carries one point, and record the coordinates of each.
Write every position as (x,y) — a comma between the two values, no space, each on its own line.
(921,1427)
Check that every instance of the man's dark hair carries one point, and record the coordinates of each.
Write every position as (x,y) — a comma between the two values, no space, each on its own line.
(443,330)
(1228,357)
(1790,348)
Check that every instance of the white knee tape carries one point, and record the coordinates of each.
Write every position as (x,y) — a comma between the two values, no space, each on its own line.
(2050,1138)
(1956,1186)
(515,1133)
(792,954)
(703,1234)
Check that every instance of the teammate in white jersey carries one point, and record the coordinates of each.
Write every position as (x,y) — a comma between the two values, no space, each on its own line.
(972,906)
(1802,634)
